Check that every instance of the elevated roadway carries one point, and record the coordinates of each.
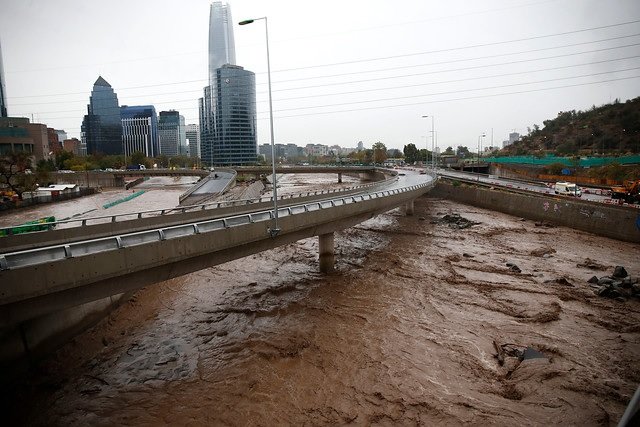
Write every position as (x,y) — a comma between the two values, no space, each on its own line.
(54,275)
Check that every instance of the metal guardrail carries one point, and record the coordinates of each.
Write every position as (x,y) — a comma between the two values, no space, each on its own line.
(546,192)
(59,252)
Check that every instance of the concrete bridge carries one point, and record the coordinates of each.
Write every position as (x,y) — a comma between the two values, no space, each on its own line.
(69,267)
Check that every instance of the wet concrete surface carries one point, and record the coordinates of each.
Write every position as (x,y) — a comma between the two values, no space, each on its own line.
(160,193)
(402,333)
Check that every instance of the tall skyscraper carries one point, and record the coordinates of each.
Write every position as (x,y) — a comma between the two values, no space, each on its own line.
(228,109)
(222,49)
(171,132)
(102,127)
(3,90)
(140,130)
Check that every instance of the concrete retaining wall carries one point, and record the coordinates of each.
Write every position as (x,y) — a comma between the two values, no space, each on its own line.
(26,343)
(617,222)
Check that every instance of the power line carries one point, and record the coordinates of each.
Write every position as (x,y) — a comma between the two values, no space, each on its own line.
(460,80)
(467,59)
(365,80)
(462,90)
(475,67)
(462,47)
(457,99)
(390,57)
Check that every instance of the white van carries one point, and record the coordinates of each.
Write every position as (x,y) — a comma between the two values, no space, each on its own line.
(567,189)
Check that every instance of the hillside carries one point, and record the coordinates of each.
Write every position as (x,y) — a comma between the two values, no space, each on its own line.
(612,129)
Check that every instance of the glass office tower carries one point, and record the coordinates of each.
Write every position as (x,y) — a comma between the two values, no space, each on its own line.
(228,108)
(102,126)
(222,48)
(228,118)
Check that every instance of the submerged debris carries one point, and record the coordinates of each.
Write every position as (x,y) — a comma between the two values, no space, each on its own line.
(618,286)
(559,281)
(456,221)
(514,267)
(592,265)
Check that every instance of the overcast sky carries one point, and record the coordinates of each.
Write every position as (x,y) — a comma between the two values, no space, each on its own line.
(342,71)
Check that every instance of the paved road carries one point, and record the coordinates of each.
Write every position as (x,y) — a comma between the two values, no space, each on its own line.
(504,182)
(215,184)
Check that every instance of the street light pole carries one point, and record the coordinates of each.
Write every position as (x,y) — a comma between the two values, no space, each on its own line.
(274,230)
(479,148)
(433,165)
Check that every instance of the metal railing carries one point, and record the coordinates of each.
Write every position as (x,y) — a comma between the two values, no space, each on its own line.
(63,251)
(82,222)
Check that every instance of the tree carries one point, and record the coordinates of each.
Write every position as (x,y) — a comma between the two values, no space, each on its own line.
(448,151)
(138,158)
(463,151)
(61,157)
(379,152)
(16,174)
(162,160)
(411,153)
(394,153)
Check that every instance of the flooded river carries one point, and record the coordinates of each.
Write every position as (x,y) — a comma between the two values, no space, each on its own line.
(402,333)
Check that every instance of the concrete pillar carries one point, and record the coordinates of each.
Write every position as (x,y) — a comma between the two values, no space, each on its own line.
(340,178)
(326,252)
(408,208)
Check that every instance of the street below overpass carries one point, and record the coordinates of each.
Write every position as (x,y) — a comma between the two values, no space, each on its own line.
(538,187)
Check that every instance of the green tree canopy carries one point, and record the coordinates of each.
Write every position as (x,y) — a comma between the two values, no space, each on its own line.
(463,151)
(411,153)
(379,152)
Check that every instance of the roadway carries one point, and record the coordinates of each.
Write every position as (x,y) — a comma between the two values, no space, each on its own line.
(512,183)
(216,184)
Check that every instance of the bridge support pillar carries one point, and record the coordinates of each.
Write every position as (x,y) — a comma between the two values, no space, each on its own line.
(408,208)
(340,178)
(326,252)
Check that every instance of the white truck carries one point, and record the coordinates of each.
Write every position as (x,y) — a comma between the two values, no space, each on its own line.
(567,189)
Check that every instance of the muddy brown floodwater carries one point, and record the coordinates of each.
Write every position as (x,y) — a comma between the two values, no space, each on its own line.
(402,333)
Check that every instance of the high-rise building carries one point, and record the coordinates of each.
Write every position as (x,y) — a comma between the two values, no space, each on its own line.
(192,132)
(228,109)
(171,133)
(140,130)
(3,90)
(102,127)
(222,48)
(228,118)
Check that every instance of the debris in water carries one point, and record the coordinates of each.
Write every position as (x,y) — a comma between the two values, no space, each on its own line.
(456,221)
(591,265)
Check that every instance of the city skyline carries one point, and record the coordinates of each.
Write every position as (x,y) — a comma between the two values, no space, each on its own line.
(368,73)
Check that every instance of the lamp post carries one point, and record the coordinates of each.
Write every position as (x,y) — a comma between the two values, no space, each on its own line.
(274,230)
(432,143)
(479,148)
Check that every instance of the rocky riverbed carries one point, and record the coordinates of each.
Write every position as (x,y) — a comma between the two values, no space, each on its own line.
(422,323)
